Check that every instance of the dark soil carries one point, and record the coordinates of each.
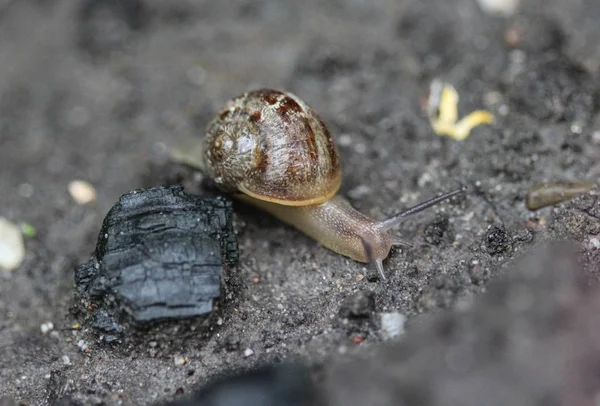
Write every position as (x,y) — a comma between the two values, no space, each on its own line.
(99,90)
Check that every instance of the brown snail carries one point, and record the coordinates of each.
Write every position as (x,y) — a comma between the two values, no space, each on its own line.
(272,150)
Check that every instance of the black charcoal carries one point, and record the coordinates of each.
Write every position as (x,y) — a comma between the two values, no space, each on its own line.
(160,255)
(270,385)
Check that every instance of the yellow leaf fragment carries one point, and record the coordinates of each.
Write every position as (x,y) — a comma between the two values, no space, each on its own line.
(443,113)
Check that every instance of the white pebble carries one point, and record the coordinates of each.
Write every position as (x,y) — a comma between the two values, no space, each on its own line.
(595,243)
(82,345)
(248,352)
(345,140)
(82,192)
(66,360)
(12,248)
(504,8)
(576,128)
(179,360)
(45,327)
(392,324)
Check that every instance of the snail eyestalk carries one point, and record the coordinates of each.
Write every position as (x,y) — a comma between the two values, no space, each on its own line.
(377,262)
(396,219)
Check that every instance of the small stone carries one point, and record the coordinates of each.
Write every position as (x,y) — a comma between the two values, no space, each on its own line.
(357,339)
(248,352)
(12,247)
(596,137)
(179,360)
(345,140)
(82,192)
(595,243)
(505,8)
(360,277)
(392,325)
(83,345)
(46,327)
(66,360)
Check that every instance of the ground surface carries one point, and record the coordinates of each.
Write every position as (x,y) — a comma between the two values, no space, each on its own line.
(98,90)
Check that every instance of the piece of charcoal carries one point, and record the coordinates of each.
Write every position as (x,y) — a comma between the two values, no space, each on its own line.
(270,385)
(160,254)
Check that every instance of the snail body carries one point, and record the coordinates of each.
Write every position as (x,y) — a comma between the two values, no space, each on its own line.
(272,150)
(346,232)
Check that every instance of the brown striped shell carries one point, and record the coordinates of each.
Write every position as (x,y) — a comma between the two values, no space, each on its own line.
(272,146)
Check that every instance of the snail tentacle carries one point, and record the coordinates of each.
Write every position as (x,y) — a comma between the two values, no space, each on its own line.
(396,219)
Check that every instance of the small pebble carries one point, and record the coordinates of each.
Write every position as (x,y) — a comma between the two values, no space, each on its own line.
(66,360)
(248,352)
(392,324)
(504,8)
(595,243)
(46,327)
(345,140)
(596,137)
(576,128)
(82,192)
(360,277)
(12,247)
(357,339)
(83,346)
(179,360)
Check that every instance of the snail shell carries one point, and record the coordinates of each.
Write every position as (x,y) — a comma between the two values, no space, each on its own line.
(271,146)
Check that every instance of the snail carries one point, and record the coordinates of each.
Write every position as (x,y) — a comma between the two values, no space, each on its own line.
(270,149)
